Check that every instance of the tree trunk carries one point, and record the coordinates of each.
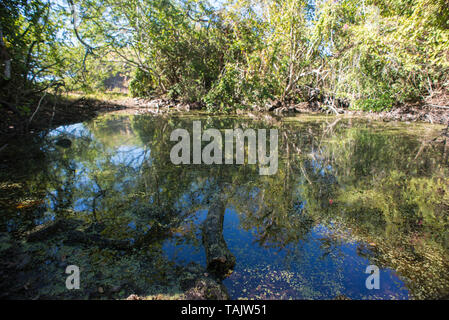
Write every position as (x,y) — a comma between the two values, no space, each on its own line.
(220,261)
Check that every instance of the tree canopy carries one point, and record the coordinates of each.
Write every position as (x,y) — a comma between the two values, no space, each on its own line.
(372,54)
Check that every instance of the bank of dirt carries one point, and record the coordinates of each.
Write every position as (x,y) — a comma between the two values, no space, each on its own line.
(52,114)
(75,110)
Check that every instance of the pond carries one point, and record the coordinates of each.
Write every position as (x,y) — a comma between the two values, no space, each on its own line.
(348,194)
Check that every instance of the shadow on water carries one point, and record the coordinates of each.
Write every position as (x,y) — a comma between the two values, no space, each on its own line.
(104,195)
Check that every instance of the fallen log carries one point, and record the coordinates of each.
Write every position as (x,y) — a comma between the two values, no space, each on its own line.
(220,261)
(51,228)
(79,237)
(67,227)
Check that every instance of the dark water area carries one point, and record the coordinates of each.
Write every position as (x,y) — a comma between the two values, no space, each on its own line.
(348,194)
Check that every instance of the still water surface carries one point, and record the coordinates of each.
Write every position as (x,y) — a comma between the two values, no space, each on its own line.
(348,193)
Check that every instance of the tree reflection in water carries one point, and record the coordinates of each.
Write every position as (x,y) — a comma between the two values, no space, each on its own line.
(347,194)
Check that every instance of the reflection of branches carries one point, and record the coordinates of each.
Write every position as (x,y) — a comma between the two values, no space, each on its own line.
(99,194)
(444,135)
(305,173)
(329,130)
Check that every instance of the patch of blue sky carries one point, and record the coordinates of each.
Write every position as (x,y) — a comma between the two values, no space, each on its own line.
(77,130)
(131,156)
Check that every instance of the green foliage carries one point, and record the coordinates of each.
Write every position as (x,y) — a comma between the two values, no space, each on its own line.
(29,45)
(384,102)
(375,54)
(388,51)
(142,84)
(226,91)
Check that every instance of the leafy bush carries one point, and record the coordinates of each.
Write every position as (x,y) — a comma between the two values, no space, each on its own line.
(142,84)
(381,103)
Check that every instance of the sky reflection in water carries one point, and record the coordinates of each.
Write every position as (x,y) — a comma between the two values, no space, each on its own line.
(347,194)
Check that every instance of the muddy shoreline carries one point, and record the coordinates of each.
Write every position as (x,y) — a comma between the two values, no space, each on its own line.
(407,113)
(69,111)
